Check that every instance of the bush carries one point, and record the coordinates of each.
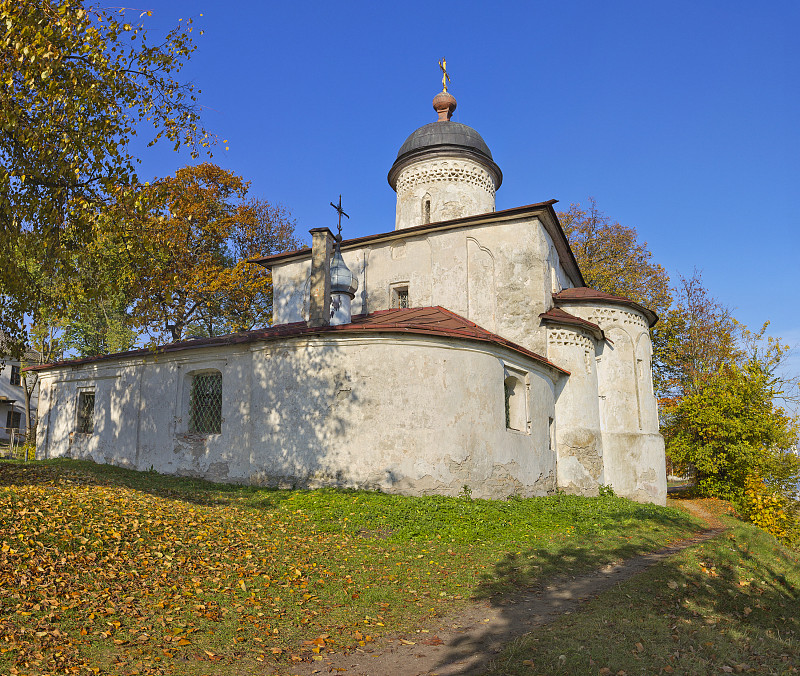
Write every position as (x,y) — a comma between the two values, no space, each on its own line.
(768,509)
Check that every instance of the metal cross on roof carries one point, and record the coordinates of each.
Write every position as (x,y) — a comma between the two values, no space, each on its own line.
(341,213)
(445,76)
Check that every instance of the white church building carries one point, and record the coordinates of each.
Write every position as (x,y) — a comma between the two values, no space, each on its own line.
(461,348)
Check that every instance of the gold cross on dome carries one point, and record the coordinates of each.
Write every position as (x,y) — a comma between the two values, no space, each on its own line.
(445,76)
(341,213)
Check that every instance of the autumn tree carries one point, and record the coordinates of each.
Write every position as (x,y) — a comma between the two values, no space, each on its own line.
(96,318)
(188,239)
(700,337)
(79,82)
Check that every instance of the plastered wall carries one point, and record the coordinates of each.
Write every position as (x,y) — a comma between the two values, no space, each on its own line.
(633,449)
(345,411)
(441,189)
(498,275)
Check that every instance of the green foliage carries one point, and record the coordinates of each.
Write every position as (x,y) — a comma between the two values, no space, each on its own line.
(730,429)
(79,82)
(606,491)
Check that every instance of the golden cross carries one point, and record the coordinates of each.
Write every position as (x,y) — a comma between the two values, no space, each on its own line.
(445,76)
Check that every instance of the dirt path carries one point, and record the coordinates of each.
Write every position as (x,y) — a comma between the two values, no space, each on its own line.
(465,642)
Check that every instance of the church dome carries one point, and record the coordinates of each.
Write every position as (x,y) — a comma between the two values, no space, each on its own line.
(342,280)
(447,133)
(444,138)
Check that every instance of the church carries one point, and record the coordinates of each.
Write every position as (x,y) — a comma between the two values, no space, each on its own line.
(461,350)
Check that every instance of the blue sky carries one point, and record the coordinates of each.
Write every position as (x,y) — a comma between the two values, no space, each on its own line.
(682,119)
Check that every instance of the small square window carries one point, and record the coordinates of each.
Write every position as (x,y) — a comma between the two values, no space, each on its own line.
(400,297)
(85,413)
(16,378)
(205,403)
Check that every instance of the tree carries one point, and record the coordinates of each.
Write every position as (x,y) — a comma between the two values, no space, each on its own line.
(699,337)
(730,430)
(78,84)
(188,241)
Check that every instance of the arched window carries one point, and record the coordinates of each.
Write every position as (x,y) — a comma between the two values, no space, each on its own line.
(516,418)
(426,209)
(205,403)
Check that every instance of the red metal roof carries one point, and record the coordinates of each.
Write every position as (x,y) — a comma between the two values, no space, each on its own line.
(433,321)
(556,315)
(585,294)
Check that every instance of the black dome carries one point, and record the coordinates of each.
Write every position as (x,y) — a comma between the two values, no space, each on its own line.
(448,139)
(445,133)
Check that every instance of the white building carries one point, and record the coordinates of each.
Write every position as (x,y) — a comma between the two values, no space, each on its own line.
(475,356)
(13,419)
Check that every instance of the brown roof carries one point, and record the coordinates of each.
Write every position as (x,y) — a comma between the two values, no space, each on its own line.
(556,315)
(585,294)
(551,222)
(433,321)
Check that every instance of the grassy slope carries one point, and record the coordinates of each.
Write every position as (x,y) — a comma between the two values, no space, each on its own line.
(730,605)
(130,572)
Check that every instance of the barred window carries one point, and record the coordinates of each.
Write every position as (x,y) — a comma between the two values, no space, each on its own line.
(400,297)
(205,403)
(85,412)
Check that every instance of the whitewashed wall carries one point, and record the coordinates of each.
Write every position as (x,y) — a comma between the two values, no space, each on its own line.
(498,275)
(414,415)
(633,449)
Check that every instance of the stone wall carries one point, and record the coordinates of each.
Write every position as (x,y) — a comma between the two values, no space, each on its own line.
(441,189)
(633,449)
(498,275)
(414,415)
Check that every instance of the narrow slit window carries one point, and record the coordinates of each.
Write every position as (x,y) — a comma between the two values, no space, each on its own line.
(426,210)
(205,403)
(85,413)
(514,391)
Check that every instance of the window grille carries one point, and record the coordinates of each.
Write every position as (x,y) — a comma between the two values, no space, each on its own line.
(86,412)
(16,378)
(400,297)
(205,404)
(509,392)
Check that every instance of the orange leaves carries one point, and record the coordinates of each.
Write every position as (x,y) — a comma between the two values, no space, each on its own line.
(193,234)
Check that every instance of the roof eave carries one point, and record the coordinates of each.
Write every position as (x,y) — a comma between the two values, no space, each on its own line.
(464,221)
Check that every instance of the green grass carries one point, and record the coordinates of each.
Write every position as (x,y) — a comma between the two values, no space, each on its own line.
(730,605)
(133,572)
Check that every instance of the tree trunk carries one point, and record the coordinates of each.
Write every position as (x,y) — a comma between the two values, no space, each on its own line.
(30,429)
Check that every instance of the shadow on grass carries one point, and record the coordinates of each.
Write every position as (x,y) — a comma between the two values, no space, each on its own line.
(65,472)
(527,568)
(732,602)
